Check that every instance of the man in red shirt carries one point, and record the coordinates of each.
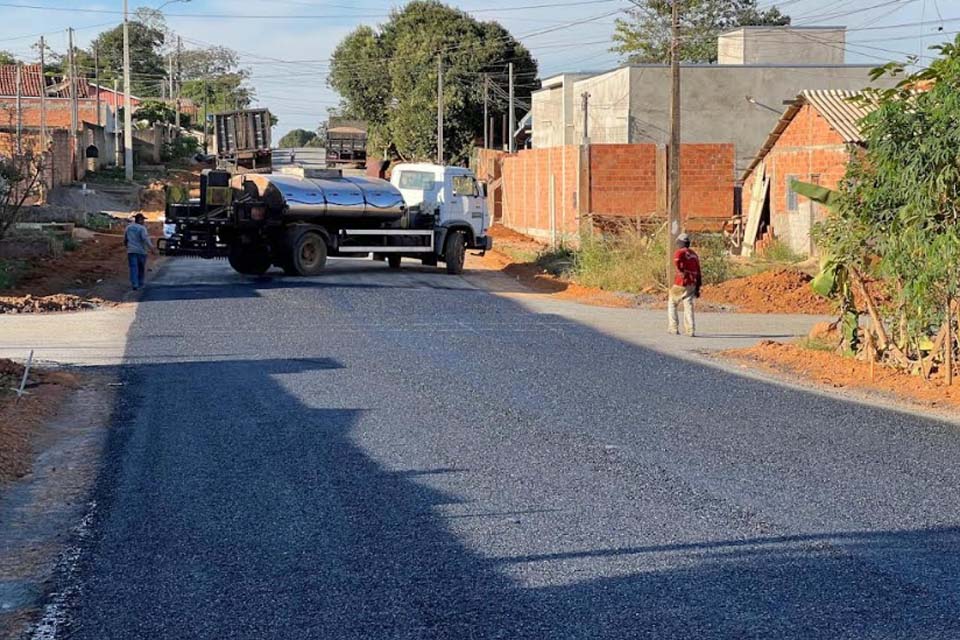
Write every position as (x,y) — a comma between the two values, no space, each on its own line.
(686,286)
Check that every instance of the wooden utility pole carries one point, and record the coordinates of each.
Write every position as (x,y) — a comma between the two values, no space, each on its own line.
(586,120)
(673,206)
(439,110)
(513,116)
(43,94)
(486,121)
(116,123)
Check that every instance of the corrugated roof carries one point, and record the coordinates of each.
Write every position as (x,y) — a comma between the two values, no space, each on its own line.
(31,82)
(834,105)
(840,112)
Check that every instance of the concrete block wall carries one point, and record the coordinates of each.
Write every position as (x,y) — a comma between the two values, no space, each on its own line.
(56,161)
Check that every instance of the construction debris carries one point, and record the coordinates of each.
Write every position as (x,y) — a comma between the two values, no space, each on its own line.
(41,304)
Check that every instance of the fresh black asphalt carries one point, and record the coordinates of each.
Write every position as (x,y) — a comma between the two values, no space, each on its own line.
(373,454)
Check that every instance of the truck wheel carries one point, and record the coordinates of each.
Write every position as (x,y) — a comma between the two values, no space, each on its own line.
(394,260)
(309,254)
(455,252)
(251,260)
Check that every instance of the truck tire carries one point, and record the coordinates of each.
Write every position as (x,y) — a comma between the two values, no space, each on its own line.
(309,254)
(455,252)
(394,260)
(250,260)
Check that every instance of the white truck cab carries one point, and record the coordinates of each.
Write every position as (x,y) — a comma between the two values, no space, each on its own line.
(452,194)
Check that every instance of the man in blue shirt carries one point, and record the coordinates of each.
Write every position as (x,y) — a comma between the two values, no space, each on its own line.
(137,241)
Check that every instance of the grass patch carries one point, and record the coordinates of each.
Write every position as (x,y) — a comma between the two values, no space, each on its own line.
(10,272)
(778,251)
(816,344)
(70,244)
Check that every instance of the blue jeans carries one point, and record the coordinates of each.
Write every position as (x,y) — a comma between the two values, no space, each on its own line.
(138,264)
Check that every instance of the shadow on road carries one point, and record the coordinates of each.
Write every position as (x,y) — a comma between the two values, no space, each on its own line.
(231,505)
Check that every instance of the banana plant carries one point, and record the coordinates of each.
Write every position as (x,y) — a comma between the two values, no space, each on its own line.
(833,280)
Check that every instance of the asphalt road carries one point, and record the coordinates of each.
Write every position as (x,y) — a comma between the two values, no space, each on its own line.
(372,454)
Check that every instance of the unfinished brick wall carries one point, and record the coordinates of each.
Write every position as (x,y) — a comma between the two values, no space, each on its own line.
(810,150)
(539,192)
(58,112)
(622,181)
(56,160)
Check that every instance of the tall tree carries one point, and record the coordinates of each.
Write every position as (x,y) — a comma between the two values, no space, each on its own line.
(388,77)
(215,70)
(146,62)
(7,58)
(296,138)
(645,36)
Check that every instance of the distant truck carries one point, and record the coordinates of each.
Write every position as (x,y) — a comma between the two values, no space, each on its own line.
(243,139)
(346,142)
(296,218)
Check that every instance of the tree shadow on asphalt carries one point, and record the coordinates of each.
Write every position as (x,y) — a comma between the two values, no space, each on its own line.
(240,525)
(230,506)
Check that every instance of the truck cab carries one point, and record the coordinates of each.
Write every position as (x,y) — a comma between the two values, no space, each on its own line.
(451,194)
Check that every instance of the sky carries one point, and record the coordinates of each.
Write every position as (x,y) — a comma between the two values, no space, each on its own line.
(286,44)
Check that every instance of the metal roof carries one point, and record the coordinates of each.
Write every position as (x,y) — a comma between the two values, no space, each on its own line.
(834,105)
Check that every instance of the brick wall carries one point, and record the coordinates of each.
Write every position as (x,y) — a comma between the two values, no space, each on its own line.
(623,183)
(56,161)
(58,112)
(527,192)
(808,150)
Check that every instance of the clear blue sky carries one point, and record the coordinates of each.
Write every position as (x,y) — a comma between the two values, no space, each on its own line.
(286,43)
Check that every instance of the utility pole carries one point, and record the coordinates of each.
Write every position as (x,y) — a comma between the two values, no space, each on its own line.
(43,94)
(439,110)
(127,110)
(177,103)
(19,110)
(116,123)
(486,122)
(74,112)
(513,116)
(586,121)
(170,75)
(204,115)
(96,76)
(673,181)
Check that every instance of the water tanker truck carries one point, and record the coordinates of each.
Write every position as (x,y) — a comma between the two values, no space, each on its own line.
(295,219)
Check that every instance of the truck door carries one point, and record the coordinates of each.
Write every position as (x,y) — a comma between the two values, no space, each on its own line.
(467,202)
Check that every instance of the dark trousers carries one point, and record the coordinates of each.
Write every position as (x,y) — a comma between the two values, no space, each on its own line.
(138,264)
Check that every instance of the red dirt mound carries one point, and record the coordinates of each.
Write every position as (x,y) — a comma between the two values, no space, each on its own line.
(834,370)
(781,291)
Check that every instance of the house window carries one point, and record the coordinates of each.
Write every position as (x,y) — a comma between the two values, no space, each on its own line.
(792,204)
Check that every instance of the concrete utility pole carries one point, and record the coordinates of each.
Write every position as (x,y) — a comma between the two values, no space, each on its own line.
(43,94)
(170,75)
(673,206)
(513,116)
(439,110)
(486,122)
(74,111)
(116,124)
(96,76)
(19,109)
(177,103)
(127,110)
(204,115)
(586,120)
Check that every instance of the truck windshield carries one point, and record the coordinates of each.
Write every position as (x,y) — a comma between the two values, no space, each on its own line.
(421,180)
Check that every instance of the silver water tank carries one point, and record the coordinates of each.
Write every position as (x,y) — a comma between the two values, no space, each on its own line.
(325,195)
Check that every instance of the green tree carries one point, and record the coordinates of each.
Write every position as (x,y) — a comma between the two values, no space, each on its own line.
(7,58)
(146,62)
(897,216)
(154,111)
(297,138)
(215,72)
(388,77)
(645,36)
